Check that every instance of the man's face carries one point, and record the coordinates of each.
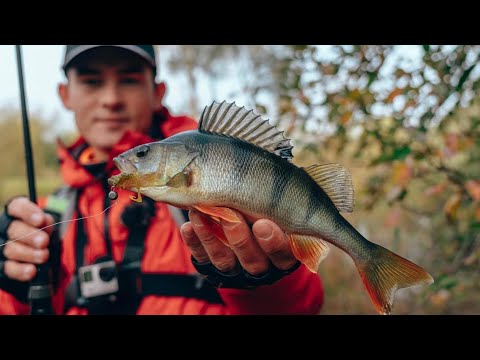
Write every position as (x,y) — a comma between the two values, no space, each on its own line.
(110,91)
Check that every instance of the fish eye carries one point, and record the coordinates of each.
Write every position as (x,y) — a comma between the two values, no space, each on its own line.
(143,151)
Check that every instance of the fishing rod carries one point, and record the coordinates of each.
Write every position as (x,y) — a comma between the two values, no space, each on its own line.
(40,290)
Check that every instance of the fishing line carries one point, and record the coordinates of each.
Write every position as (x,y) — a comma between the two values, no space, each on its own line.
(62,222)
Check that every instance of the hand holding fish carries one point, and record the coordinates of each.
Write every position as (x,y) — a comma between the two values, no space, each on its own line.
(253,251)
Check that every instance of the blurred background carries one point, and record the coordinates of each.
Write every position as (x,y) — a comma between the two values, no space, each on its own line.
(405,120)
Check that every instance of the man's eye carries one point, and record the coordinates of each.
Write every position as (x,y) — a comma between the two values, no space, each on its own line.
(130,81)
(91,82)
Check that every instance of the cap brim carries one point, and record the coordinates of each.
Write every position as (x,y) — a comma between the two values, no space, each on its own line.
(82,48)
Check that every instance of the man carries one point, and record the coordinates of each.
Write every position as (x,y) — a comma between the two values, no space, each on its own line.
(131,258)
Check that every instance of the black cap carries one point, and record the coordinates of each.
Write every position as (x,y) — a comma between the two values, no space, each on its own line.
(145,51)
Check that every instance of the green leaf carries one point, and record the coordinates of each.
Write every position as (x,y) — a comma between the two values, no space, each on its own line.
(398,153)
(372,76)
(426,48)
(475,226)
(464,77)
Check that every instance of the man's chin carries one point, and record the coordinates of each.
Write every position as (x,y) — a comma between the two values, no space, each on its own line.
(106,140)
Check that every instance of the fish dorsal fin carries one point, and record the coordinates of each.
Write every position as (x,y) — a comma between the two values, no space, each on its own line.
(336,181)
(230,120)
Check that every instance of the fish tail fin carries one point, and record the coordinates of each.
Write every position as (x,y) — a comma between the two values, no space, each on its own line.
(385,272)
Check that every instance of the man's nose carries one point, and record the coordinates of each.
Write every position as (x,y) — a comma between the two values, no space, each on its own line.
(111,97)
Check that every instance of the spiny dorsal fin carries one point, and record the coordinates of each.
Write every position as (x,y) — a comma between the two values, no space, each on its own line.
(336,181)
(230,120)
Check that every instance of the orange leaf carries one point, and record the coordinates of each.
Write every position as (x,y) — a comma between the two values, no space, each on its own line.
(345,117)
(452,142)
(452,205)
(401,174)
(410,103)
(393,95)
(440,298)
(435,189)
(473,188)
(393,218)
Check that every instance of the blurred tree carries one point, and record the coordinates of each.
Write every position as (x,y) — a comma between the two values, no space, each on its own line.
(13,169)
(411,114)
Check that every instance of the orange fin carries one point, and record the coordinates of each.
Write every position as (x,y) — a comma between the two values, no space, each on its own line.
(309,250)
(179,180)
(215,228)
(218,212)
(385,272)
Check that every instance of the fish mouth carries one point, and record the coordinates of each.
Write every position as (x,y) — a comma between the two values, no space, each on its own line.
(124,165)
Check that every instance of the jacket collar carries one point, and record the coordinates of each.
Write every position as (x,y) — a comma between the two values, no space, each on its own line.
(76,175)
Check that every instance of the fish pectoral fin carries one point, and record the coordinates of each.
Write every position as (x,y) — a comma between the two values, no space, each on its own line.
(213,226)
(309,250)
(336,181)
(179,180)
(218,212)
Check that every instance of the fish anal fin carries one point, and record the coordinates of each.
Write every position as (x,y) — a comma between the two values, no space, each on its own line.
(218,212)
(310,250)
(336,181)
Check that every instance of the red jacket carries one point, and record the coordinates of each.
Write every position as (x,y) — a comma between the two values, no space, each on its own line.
(298,293)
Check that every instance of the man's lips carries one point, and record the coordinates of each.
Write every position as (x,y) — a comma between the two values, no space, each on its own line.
(113,120)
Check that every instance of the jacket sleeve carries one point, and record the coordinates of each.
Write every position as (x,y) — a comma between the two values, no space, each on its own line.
(298,293)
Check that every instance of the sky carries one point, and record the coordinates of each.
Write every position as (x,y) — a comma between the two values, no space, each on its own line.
(42,73)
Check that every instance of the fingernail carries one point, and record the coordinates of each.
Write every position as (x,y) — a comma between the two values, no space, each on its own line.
(27,271)
(38,255)
(38,240)
(263,231)
(36,218)
(195,218)
(187,231)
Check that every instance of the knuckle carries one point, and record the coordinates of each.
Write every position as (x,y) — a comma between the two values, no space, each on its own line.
(241,243)
(17,204)
(14,229)
(196,247)
(224,265)
(41,256)
(8,250)
(41,240)
(256,268)
(25,273)
(279,251)
(208,239)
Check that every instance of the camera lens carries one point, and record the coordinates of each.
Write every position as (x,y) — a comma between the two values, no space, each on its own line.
(107,273)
